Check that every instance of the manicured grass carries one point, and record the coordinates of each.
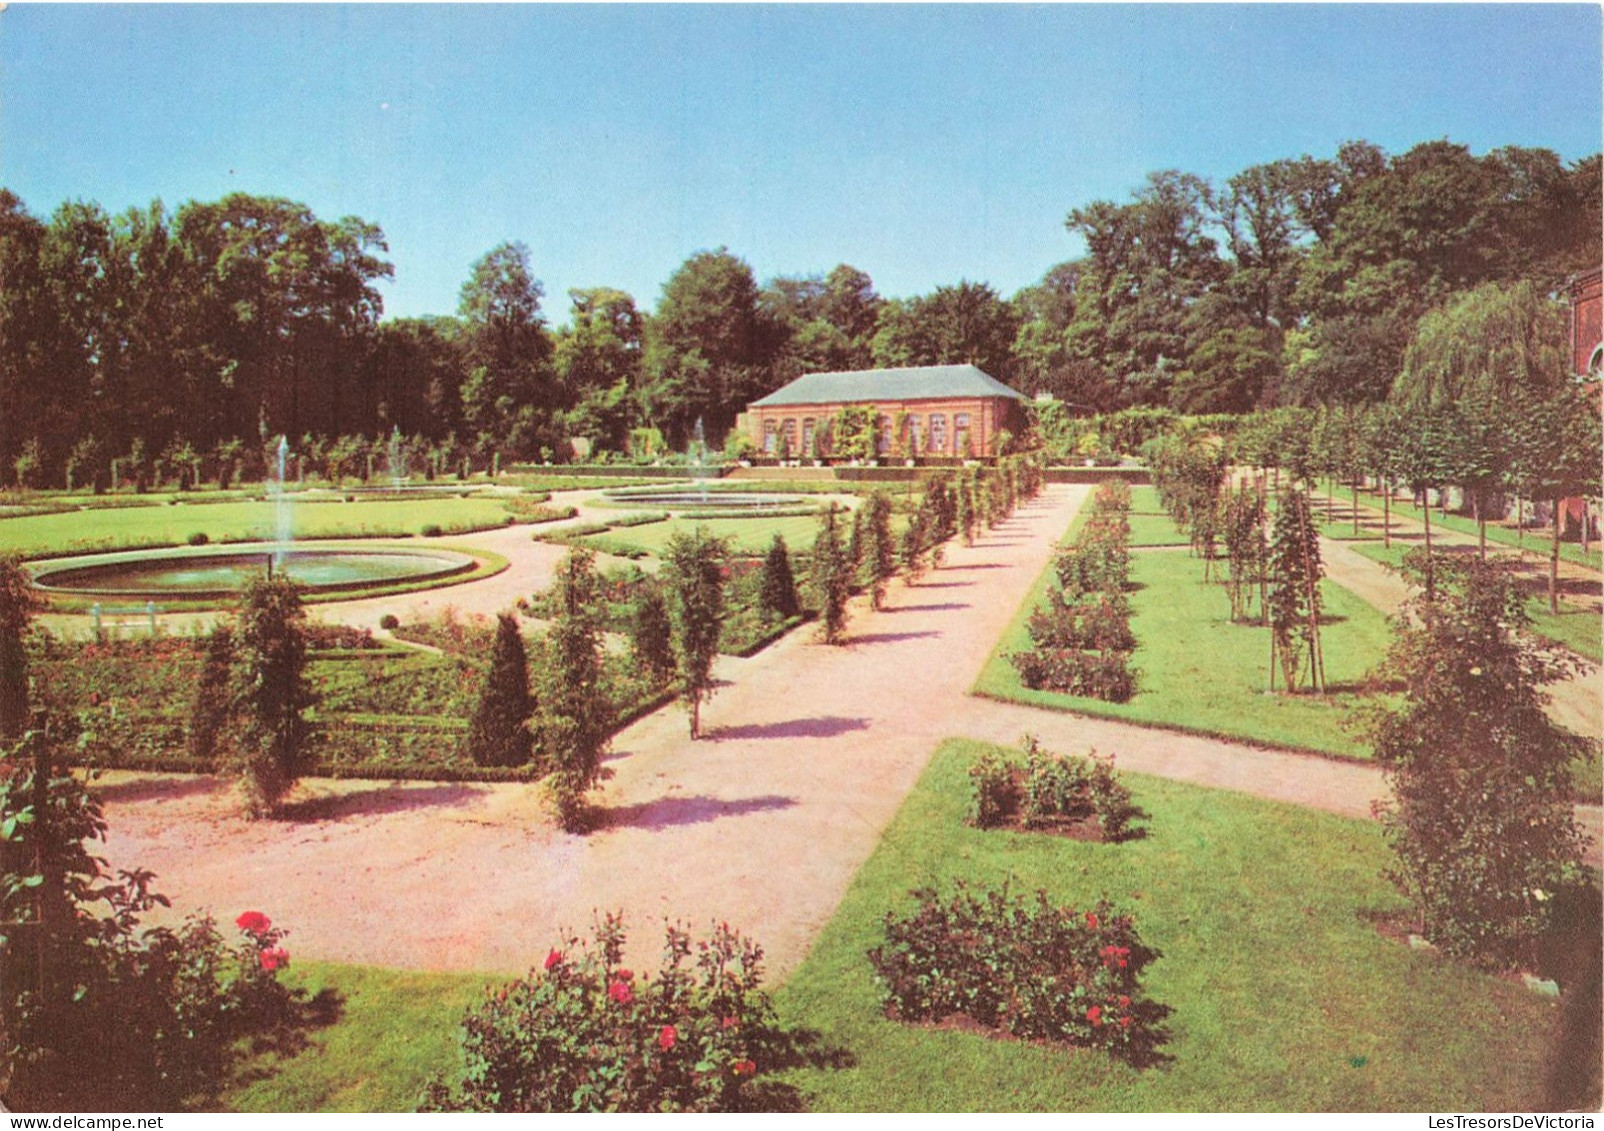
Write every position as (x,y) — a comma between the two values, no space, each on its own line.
(106,528)
(396,1032)
(1539,542)
(1150,524)
(1578,629)
(1200,672)
(1285,997)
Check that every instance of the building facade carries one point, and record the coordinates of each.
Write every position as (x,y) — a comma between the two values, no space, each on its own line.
(953,411)
(1587,324)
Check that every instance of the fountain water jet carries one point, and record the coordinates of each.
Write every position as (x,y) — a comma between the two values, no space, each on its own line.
(283,517)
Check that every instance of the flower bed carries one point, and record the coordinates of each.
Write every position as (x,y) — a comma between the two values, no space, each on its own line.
(1021,968)
(583,1033)
(1078,797)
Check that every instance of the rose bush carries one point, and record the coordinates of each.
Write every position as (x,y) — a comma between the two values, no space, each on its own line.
(583,1033)
(1024,968)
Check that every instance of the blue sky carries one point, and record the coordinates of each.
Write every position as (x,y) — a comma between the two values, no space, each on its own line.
(922,144)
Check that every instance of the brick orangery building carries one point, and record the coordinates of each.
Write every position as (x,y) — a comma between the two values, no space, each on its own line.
(943,410)
(1587,324)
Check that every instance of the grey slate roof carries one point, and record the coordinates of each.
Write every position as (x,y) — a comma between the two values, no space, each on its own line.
(925,382)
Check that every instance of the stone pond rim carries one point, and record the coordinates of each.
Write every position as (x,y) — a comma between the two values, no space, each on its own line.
(177,574)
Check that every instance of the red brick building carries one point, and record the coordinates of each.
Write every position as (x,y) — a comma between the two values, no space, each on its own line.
(942,410)
(1587,324)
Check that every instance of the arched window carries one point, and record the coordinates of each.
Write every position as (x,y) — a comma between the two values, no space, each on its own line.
(938,432)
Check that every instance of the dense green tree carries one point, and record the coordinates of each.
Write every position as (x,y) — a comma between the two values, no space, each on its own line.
(573,721)
(693,574)
(1557,456)
(511,392)
(966,324)
(499,733)
(211,710)
(599,358)
(651,634)
(1292,600)
(1480,821)
(1147,262)
(705,357)
(831,574)
(1485,344)
(777,590)
(271,693)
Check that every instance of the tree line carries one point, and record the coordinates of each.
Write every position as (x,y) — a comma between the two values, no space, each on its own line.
(181,339)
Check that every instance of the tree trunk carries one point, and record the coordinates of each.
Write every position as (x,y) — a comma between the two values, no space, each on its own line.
(1355,487)
(1553,564)
(1481,525)
(1386,513)
(1425,511)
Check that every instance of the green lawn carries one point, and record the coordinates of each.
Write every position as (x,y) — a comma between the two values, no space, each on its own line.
(1285,997)
(1536,541)
(1200,672)
(133,527)
(1150,523)
(396,1032)
(1580,630)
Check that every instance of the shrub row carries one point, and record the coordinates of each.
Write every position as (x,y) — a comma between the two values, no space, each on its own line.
(1082,634)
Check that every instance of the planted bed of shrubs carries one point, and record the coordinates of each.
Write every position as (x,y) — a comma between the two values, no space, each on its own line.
(583,1033)
(1078,796)
(1022,968)
(1082,634)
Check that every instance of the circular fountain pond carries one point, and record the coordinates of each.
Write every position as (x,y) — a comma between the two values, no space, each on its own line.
(706,503)
(220,574)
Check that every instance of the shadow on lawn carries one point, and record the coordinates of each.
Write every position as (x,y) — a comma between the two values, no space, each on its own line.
(667,812)
(782,1051)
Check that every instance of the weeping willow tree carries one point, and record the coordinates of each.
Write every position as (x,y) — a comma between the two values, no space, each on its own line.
(1478,361)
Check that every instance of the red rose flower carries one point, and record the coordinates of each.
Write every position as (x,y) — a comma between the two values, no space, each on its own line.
(1095,1015)
(743,1068)
(728,1023)
(1124,1002)
(554,959)
(272,959)
(1124,1022)
(253,923)
(621,993)
(666,1038)
(1091,920)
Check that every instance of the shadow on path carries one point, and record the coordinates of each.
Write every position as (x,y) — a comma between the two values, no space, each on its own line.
(668,812)
(382,800)
(939,585)
(926,608)
(826,726)
(156,789)
(888,637)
